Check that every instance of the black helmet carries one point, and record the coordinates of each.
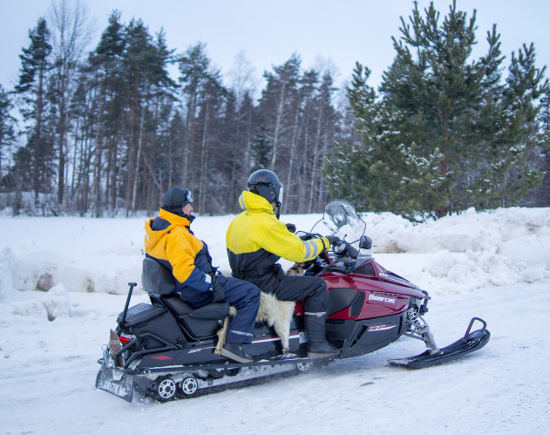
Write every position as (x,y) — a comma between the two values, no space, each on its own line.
(266,184)
(175,199)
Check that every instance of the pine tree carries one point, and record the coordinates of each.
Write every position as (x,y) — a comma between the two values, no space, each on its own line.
(448,132)
(326,120)
(543,192)
(209,122)
(194,67)
(7,128)
(107,58)
(35,65)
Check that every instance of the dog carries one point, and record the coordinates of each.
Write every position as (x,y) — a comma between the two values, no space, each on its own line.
(274,312)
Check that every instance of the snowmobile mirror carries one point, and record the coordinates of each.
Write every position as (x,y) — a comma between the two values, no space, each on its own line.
(365,242)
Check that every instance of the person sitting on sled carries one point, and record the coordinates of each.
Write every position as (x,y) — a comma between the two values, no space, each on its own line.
(170,241)
(256,240)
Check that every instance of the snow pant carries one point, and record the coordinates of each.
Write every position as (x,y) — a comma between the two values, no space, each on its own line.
(245,297)
(309,289)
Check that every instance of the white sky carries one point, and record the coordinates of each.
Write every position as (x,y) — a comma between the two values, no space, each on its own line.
(269,31)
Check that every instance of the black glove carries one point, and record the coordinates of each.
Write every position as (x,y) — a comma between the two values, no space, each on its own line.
(217,291)
(291,228)
(333,240)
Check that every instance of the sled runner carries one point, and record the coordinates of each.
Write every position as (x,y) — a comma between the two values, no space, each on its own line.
(471,342)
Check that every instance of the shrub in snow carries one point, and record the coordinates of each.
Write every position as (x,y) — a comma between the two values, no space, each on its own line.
(57,302)
(35,271)
(45,282)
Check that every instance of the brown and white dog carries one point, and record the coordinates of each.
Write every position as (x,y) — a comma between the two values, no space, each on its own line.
(274,312)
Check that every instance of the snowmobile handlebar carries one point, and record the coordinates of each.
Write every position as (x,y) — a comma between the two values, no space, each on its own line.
(341,248)
(345,249)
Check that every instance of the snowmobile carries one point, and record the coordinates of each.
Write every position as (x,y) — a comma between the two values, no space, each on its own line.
(166,349)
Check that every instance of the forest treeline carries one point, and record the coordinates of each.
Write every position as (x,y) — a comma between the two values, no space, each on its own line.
(110,131)
(106,132)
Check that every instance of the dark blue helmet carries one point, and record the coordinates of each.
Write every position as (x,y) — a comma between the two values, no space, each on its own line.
(175,199)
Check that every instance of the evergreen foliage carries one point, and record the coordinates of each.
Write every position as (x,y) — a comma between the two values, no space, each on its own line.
(542,193)
(109,132)
(7,128)
(33,90)
(446,132)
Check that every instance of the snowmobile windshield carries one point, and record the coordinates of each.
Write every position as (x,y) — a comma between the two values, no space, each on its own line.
(340,219)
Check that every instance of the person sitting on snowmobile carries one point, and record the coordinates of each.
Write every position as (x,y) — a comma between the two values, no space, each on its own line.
(170,241)
(256,240)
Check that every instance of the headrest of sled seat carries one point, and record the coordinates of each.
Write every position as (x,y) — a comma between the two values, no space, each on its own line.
(156,278)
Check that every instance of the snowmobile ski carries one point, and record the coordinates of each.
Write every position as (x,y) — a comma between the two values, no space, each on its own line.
(471,342)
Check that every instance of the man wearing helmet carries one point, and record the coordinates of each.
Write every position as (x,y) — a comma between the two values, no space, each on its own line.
(170,241)
(256,240)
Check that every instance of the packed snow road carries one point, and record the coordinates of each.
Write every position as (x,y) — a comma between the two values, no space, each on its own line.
(48,369)
(494,265)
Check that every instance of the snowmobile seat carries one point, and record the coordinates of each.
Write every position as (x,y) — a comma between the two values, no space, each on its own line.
(182,309)
(198,323)
(157,279)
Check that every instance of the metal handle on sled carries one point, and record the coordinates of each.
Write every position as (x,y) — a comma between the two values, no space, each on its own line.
(132,285)
(472,322)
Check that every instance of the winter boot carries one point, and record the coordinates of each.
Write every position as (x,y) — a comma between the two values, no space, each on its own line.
(319,347)
(236,353)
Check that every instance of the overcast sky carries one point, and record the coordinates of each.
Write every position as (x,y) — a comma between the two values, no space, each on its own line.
(269,31)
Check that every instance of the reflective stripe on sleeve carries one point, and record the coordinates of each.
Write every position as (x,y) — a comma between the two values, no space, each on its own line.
(311,246)
(308,249)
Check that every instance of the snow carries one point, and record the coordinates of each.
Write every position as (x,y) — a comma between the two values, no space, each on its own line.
(63,281)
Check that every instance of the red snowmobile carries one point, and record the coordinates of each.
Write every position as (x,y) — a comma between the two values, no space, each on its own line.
(166,349)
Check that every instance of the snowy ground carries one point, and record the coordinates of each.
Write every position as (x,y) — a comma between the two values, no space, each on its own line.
(492,265)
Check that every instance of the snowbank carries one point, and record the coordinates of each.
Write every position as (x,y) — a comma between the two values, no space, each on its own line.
(454,254)
(468,251)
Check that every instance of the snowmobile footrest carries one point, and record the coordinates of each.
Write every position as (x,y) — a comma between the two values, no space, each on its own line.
(471,342)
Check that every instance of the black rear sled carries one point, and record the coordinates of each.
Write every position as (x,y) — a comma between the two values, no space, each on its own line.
(166,349)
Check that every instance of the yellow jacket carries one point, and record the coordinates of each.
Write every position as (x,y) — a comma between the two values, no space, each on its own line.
(256,240)
(169,240)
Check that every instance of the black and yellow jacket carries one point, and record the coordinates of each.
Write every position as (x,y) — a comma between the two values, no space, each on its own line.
(169,240)
(256,240)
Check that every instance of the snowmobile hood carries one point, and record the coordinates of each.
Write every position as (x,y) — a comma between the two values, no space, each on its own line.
(254,203)
(152,237)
